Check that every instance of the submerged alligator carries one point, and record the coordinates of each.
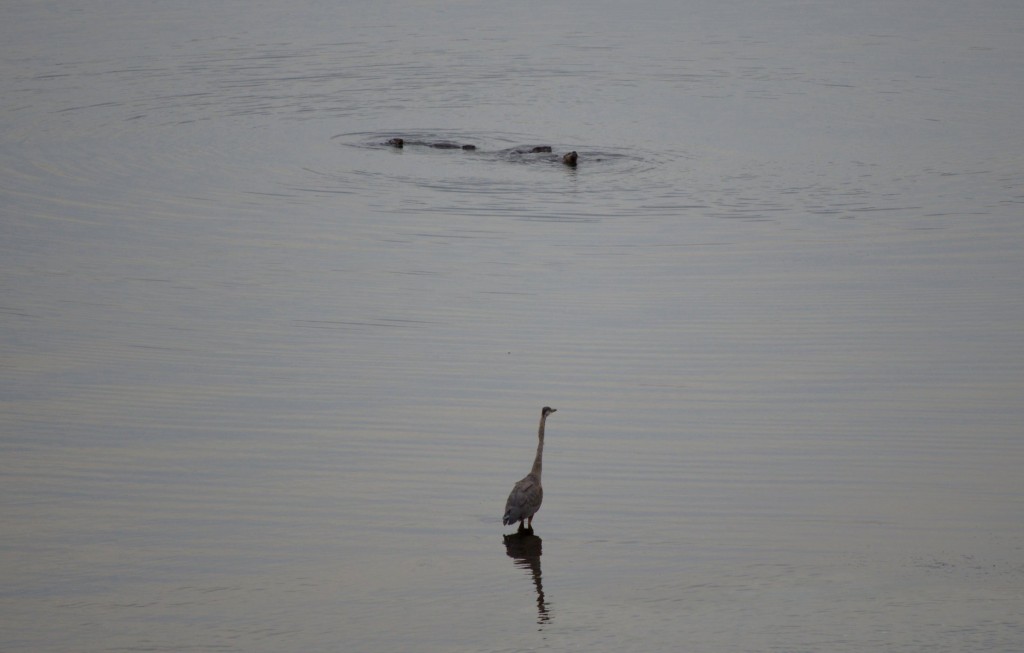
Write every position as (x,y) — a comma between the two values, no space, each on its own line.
(569,158)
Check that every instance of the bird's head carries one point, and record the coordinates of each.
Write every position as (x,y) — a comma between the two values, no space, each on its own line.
(547,410)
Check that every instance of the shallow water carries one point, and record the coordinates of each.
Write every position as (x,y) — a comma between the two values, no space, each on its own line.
(267,382)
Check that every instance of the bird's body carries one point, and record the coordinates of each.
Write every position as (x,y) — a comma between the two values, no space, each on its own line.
(523,501)
(526,496)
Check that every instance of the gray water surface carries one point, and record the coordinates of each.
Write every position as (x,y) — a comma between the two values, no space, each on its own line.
(267,382)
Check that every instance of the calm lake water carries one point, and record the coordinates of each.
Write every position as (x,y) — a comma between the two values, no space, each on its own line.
(267,382)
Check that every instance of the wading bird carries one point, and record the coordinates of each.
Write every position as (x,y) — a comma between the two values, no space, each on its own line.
(524,500)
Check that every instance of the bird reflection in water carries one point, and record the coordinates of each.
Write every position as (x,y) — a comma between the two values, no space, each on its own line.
(525,548)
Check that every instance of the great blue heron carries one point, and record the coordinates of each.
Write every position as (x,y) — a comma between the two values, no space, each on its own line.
(525,497)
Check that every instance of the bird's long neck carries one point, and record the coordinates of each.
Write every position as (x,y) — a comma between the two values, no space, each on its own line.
(540,449)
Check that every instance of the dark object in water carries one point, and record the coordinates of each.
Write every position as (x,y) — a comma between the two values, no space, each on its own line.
(539,149)
(442,145)
(451,146)
(568,159)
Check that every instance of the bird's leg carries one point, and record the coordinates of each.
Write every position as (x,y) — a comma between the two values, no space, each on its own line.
(529,523)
